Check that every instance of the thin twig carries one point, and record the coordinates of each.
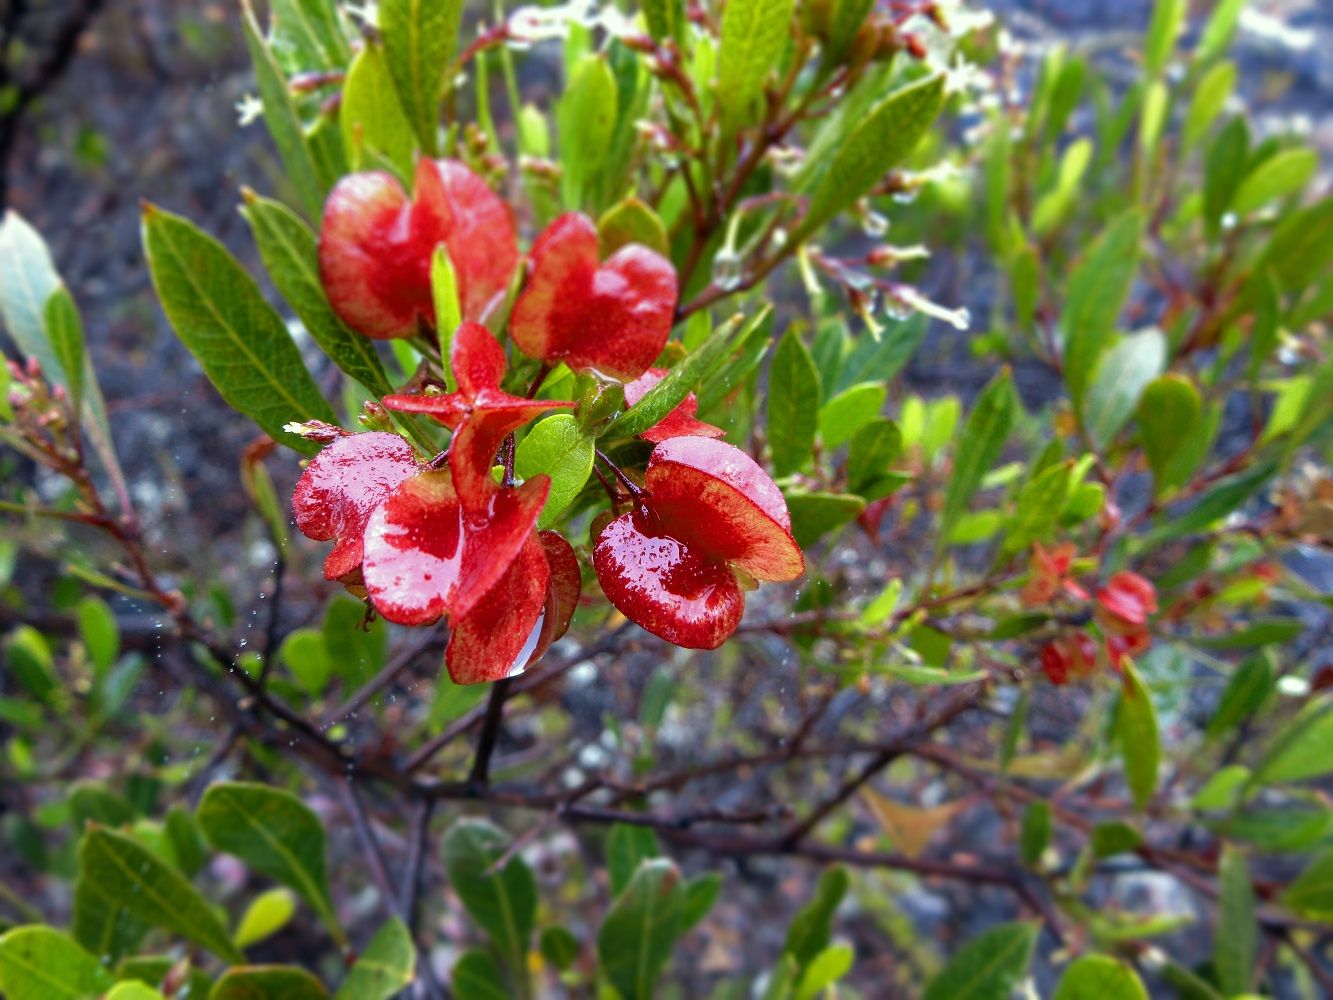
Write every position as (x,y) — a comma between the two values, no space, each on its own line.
(490,732)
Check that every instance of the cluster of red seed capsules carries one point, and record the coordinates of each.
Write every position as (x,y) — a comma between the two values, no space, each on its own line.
(1121,610)
(425,538)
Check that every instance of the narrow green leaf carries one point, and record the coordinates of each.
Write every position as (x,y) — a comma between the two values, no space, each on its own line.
(830,965)
(701,893)
(1114,837)
(267,982)
(1035,835)
(1100,977)
(880,360)
(1301,248)
(503,903)
(874,447)
(134,989)
(419,38)
(978,446)
(1168,17)
(1218,502)
(874,144)
(1210,97)
(1249,687)
(291,257)
(812,926)
(794,395)
(666,18)
(1282,174)
(1095,295)
(448,308)
(1037,510)
(1140,741)
(372,119)
(1237,944)
(664,397)
(814,513)
(385,966)
(1311,895)
(1118,382)
(65,331)
(41,963)
(1224,167)
(1219,30)
(1168,410)
(631,221)
(560,947)
(99,632)
(306,35)
(102,925)
(754,33)
(558,447)
(988,967)
(219,313)
(150,890)
(273,832)
(284,124)
(1302,750)
(585,122)
(641,928)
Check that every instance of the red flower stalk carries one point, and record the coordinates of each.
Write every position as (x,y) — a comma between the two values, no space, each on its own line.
(612,317)
(375,247)
(680,422)
(706,510)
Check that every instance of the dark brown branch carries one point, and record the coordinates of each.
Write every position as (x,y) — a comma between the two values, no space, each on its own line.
(490,732)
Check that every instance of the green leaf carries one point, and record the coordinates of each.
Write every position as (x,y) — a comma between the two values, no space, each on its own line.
(1118,382)
(978,446)
(273,832)
(371,116)
(824,970)
(220,315)
(1037,510)
(666,18)
(1140,743)
(585,122)
(65,331)
(1095,295)
(99,632)
(477,975)
(1218,32)
(419,38)
(1100,977)
(358,647)
(102,925)
(815,514)
(134,989)
(1114,837)
(267,982)
(306,655)
(448,309)
(988,967)
(1311,895)
(627,846)
(875,446)
(754,33)
(641,928)
(1217,503)
(1035,835)
(664,397)
(281,118)
(631,221)
(1284,173)
(1303,748)
(849,411)
(701,893)
(873,145)
(291,257)
(1301,247)
(1223,169)
(1210,97)
(307,35)
(1249,687)
(557,447)
(1168,409)
(880,360)
(1168,17)
(122,869)
(268,913)
(812,927)
(28,657)
(794,395)
(503,903)
(385,966)
(41,963)
(1237,944)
